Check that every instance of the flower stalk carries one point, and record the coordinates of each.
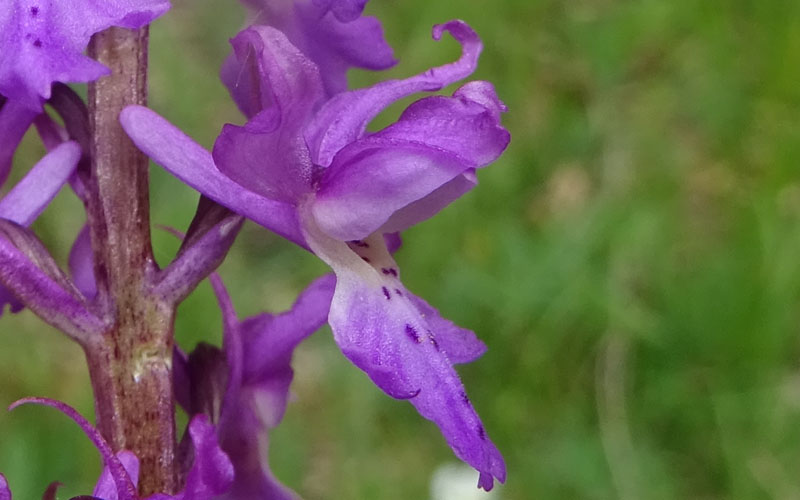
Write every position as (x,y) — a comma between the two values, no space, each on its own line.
(131,363)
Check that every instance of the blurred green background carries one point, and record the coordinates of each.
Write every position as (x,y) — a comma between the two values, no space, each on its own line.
(632,261)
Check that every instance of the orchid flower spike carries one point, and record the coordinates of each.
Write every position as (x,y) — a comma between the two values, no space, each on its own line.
(307,169)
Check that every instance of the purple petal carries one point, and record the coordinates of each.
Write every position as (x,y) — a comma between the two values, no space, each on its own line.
(383,332)
(271,340)
(42,42)
(32,194)
(106,487)
(335,45)
(373,178)
(344,10)
(185,159)
(14,121)
(431,204)
(81,265)
(427,158)
(46,296)
(259,352)
(335,41)
(458,344)
(5,492)
(269,154)
(344,118)
(126,489)
(212,472)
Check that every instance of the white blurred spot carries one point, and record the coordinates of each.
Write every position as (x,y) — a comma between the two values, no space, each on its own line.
(459,482)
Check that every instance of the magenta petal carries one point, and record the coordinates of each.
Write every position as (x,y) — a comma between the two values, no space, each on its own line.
(381,329)
(185,159)
(15,119)
(5,492)
(32,194)
(43,42)
(106,487)
(344,118)
(126,490)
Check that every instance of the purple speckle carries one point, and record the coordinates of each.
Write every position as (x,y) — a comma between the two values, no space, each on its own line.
(365,259)
(433,341)
(360,243)
(412,333)
(481,432)
(34,11)
(37,43)
(386,293)
(398,292)
(464,398)
(389,270)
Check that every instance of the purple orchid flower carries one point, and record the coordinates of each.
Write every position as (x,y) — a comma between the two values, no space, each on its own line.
(42,41)
(329,32)
(245,387)
(210,475)
(320,180)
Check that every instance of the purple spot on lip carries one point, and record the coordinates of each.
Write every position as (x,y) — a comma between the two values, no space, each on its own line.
(433,341)
(360,243)
(464,398)
(365,259)
(389,270)
(398,292)
(37,43)
(481,432)
(412,333)
(386,293)
(34,11)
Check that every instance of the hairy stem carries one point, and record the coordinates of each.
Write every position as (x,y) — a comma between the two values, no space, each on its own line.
(130,365)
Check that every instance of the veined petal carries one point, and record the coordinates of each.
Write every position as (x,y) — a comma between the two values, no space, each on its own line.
(187,160)
(42,42)
(32,194)
(15,119)
(381,329)
(344,118)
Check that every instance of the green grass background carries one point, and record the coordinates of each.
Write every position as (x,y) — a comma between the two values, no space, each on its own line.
(632,261)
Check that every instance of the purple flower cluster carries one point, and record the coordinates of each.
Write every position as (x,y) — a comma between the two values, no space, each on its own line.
(303,166)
